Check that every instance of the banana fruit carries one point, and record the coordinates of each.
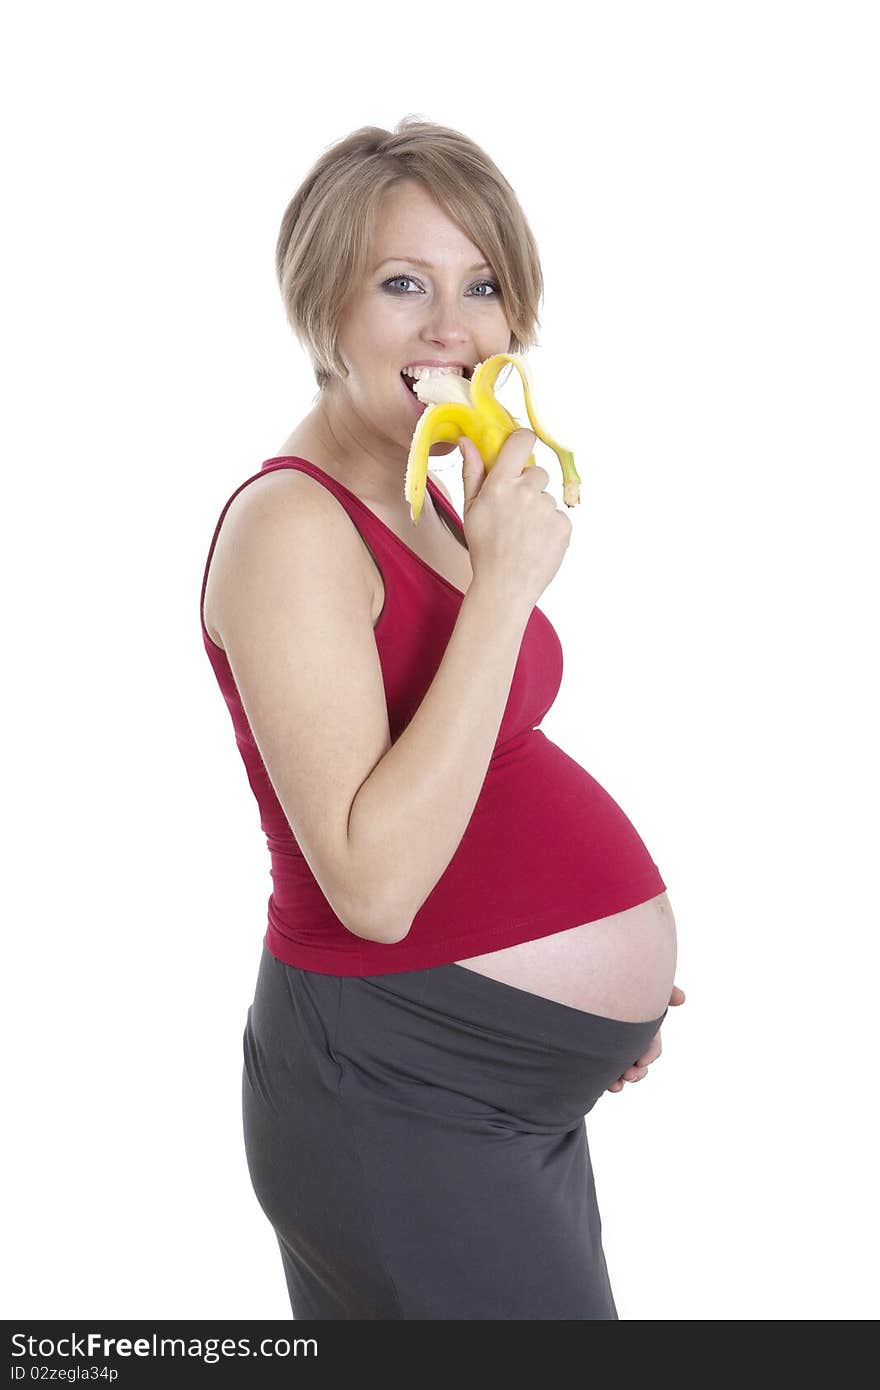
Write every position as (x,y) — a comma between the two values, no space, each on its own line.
(456,406)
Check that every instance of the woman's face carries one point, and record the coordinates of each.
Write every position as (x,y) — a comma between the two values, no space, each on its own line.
(449,311)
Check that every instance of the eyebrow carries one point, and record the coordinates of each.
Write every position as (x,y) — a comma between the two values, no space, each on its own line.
(414,260)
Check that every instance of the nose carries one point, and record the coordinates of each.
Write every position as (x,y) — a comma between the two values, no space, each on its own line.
(447,320)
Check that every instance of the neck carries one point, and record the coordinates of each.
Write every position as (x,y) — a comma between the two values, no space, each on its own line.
(326,438)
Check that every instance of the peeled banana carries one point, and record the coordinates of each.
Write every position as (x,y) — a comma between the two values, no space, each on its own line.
(456,406)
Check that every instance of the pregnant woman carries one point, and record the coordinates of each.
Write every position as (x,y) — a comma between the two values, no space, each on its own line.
(467,940)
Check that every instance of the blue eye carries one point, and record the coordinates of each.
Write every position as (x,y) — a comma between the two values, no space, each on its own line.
(395,279)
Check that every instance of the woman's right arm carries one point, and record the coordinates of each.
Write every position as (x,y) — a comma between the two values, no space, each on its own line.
(378,823)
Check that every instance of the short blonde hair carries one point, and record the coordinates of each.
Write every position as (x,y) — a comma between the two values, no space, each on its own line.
(326,234)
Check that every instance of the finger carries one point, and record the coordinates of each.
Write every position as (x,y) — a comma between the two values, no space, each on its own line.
(513,453)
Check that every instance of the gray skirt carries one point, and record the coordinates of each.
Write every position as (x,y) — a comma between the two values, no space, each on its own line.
(417,1142)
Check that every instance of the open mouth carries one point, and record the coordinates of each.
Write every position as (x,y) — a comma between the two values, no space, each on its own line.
(410,381)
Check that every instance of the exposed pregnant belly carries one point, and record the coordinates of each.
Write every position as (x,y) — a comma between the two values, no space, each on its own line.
(621,966)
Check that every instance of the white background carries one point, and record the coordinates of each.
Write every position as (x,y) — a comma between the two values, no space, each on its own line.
(702,183)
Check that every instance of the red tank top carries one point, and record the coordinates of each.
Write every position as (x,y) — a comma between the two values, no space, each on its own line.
(546,847)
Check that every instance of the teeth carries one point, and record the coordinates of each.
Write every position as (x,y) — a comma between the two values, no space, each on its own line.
(419,372)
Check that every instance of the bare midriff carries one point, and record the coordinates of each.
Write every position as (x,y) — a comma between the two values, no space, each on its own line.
(620,967)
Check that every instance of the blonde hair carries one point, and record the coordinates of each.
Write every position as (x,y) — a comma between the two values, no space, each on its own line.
(326,236)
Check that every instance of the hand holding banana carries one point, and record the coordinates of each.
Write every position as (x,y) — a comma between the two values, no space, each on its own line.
(457,407)
(516,535)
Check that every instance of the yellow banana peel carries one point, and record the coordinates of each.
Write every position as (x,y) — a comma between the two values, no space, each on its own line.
(456,407)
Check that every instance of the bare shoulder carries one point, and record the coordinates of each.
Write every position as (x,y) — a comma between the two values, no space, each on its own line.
(285,498)
(272,487)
